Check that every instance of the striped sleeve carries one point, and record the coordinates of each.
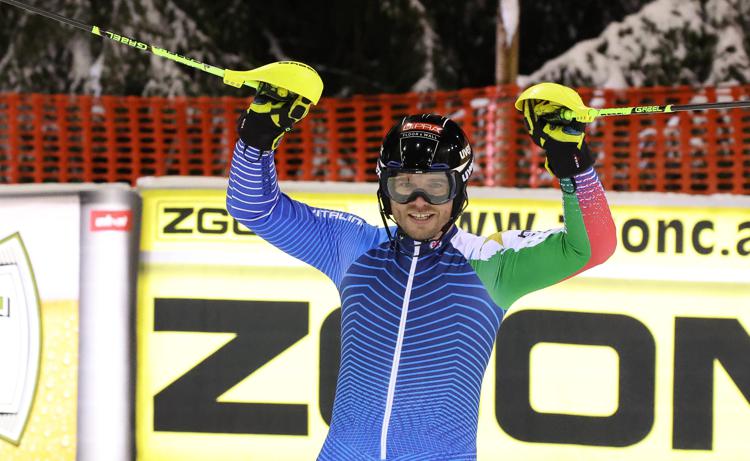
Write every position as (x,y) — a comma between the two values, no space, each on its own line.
(597,219)
(328,240)
(515,263)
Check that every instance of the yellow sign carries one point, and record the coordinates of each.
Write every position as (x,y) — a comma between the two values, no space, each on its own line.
(50,433)
(646,358)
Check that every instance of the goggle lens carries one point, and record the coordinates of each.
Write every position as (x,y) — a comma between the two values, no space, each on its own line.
(436,187)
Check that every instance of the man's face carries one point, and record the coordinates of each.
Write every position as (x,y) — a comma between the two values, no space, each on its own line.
(420,219)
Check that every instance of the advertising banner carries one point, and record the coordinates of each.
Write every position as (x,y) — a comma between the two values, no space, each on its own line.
(67,283)
(39,245)
(645,356)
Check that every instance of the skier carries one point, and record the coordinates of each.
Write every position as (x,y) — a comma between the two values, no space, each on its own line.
(421,301)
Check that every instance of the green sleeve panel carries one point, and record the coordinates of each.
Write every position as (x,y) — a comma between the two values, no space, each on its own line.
(526,261)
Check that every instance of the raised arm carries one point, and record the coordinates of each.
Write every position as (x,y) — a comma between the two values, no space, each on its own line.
(518,262)
(328,240)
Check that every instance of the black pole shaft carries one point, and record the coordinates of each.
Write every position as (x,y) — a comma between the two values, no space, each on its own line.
(712,105)
(49,14)
(568,114)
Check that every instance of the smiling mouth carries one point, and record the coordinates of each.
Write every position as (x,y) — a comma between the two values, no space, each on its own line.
(421,217)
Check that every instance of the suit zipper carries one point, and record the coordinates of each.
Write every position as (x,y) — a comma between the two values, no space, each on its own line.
(397,355)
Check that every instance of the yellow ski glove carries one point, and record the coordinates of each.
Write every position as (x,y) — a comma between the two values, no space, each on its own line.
(563,141)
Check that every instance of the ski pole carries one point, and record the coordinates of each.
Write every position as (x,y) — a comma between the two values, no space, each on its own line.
(291,75)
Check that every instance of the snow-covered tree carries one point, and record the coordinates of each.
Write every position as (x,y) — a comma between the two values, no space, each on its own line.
(358,47)
(45,56)
(668,42)
(388,46)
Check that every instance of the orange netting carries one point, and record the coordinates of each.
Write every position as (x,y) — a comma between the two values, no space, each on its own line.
(63,138)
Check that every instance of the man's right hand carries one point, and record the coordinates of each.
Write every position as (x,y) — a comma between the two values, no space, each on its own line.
(567,152)
(272,114)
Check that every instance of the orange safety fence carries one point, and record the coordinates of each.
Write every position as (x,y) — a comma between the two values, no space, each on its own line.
(66,138)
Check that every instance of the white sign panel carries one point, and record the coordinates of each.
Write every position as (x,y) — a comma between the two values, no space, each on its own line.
(19,337)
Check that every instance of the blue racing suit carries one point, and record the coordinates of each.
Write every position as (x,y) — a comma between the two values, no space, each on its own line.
(418,320)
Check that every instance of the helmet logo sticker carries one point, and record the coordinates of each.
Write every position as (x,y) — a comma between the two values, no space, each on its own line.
(467,173)
(422,126)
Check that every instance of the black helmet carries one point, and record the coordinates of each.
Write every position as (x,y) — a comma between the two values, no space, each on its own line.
(426,143)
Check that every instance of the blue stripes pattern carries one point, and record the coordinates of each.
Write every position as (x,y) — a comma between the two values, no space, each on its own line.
(586,182)
(327,240)
(450,329)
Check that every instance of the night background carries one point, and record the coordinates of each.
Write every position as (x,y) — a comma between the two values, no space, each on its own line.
(368,47)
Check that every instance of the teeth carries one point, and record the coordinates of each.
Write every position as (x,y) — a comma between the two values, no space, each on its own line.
(420,216)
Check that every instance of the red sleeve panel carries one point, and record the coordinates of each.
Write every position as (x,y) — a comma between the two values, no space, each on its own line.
(597,218)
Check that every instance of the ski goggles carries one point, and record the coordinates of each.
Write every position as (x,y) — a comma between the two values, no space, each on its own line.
(436,187)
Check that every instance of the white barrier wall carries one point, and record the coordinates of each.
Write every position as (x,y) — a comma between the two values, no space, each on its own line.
(110,227)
